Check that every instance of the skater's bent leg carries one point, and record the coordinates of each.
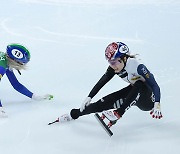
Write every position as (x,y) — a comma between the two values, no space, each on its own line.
(103,104)
(132,98)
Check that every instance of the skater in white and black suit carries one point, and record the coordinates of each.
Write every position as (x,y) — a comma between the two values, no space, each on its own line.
(142,91)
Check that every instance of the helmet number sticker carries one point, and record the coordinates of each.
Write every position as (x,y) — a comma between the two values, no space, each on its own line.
(17,54)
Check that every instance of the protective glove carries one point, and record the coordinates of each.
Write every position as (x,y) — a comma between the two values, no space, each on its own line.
(40,98)
(85,103)
(156,111)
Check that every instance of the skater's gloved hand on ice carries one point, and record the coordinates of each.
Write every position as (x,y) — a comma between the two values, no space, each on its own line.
(43,97)
(156,111)
(85,103)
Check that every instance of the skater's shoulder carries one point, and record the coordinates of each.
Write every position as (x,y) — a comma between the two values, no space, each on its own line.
(134,61)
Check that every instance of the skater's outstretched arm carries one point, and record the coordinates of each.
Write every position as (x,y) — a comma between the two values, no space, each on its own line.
(103,80)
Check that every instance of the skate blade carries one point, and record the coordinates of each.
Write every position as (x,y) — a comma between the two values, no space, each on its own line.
(104,126)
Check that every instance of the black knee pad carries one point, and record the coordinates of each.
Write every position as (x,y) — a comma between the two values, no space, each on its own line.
(75,113)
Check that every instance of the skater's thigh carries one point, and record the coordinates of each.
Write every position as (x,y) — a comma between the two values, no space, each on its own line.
(109,100)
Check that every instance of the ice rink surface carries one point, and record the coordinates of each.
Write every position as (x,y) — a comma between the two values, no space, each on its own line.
(67,39)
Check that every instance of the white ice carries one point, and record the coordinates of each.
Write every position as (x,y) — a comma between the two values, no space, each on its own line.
(67,39)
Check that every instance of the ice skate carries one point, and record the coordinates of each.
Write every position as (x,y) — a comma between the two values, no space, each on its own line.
(62,119)
(107,119)
(110,115)
(65,118)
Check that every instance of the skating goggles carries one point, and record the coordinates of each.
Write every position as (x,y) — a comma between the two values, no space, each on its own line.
(16,61)
(114,62)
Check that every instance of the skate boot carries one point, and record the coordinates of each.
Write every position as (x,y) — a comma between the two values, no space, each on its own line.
(65,118)
(62,119)
(112,116)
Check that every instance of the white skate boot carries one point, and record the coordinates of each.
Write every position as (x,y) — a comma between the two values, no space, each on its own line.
(62,119)
(110,115)
(65,118)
